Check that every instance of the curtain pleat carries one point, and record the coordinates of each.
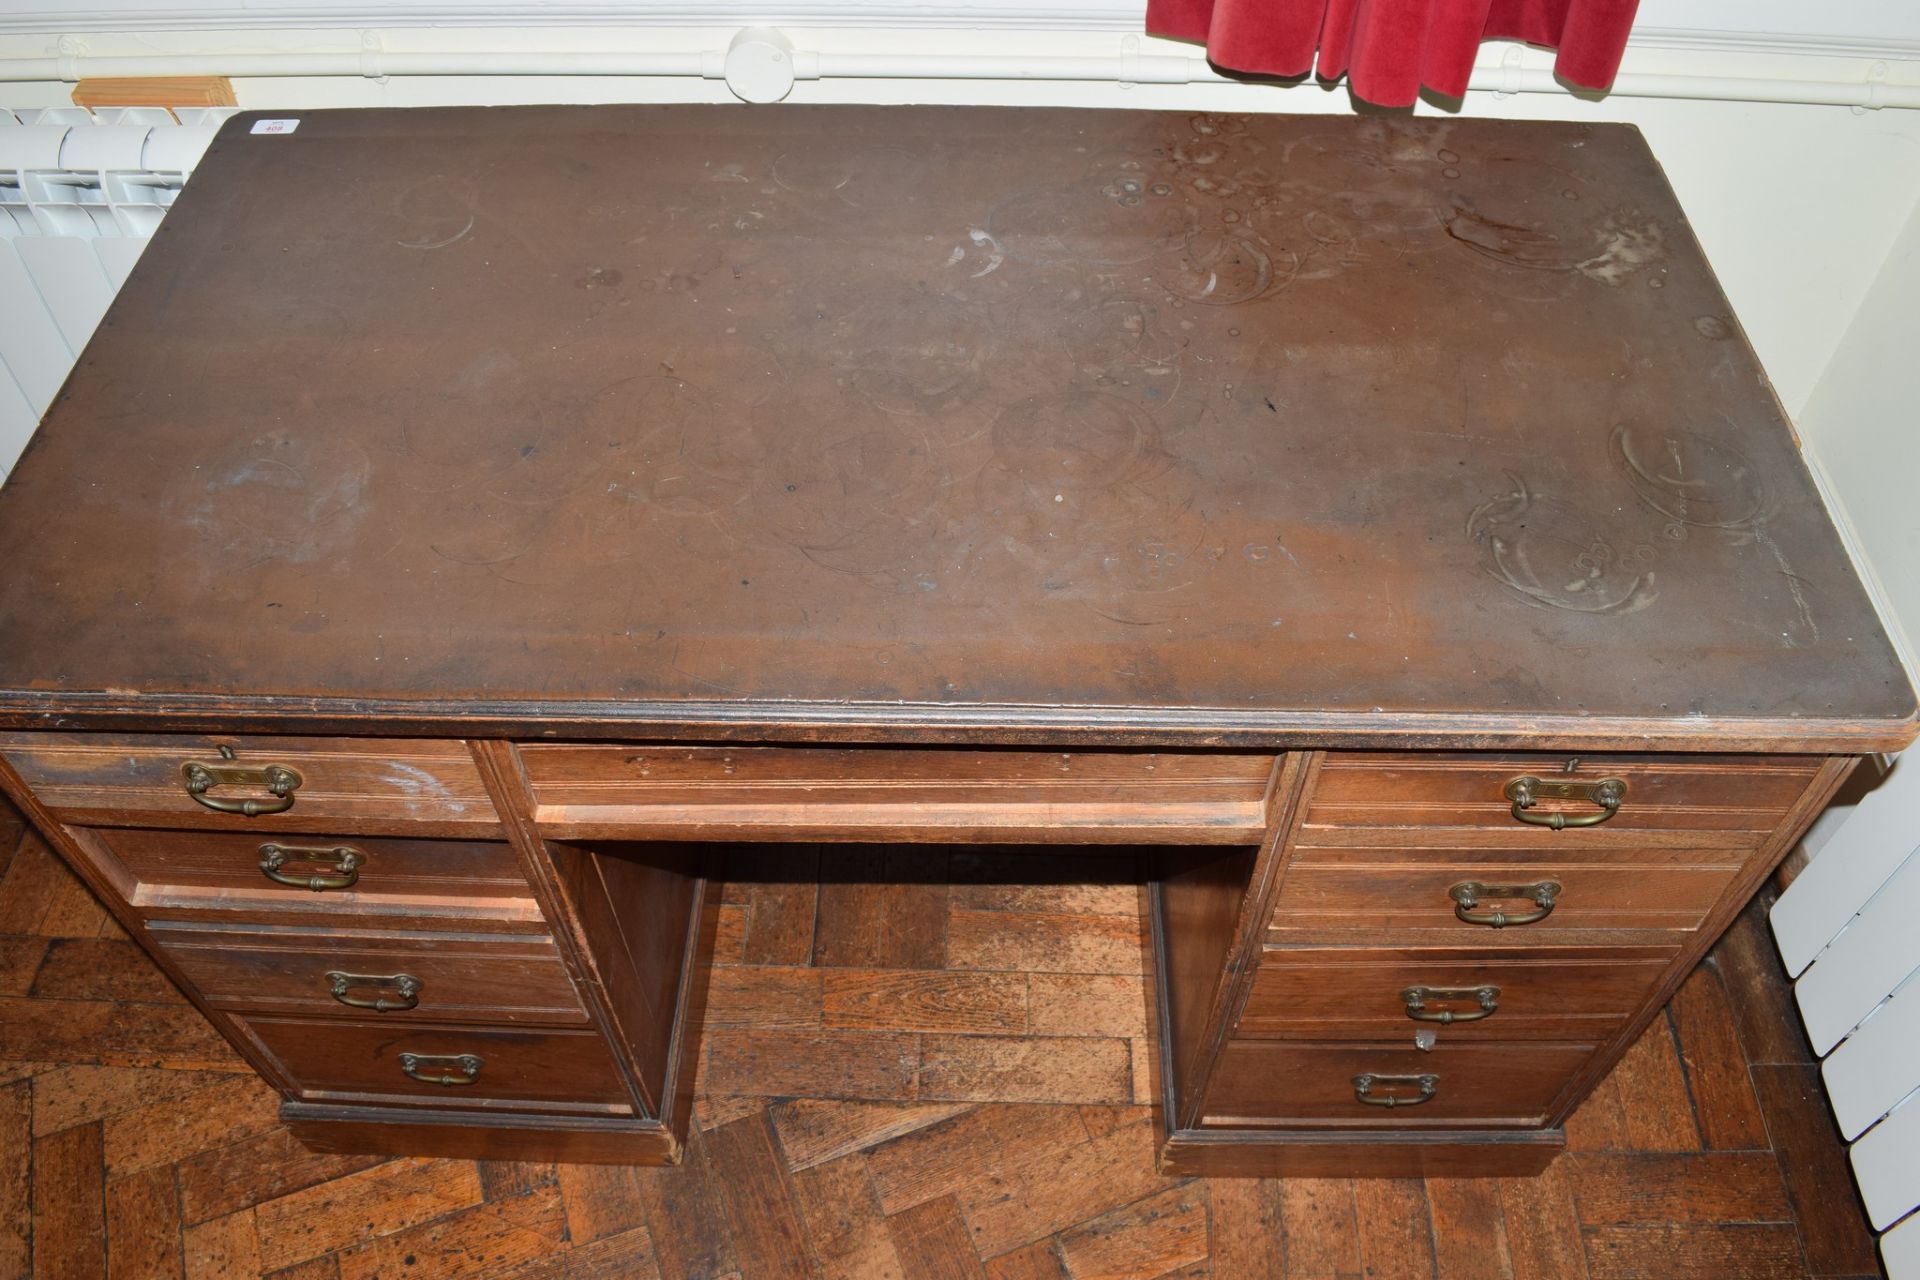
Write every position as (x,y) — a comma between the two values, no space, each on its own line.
(1390,49)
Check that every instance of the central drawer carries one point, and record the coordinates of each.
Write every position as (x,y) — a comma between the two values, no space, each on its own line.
(664,792)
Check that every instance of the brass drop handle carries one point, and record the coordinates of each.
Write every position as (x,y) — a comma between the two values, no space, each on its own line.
(1469,894)
(277,780)
(421,1067)
(1487,998)
(1364,1085)
(345,858)
(1526,790)
(405,988)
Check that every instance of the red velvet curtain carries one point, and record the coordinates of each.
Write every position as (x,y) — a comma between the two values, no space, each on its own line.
(1390,48)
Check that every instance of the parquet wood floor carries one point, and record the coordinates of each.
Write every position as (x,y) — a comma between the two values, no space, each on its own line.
(973,1060)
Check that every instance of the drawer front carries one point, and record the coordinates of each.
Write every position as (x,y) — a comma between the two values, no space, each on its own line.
(242,872)
(1333,993)
(367,1062)
(1376,895)
(358,783)
(748,793)
(1729,800)
(1491,1085)
(408,977)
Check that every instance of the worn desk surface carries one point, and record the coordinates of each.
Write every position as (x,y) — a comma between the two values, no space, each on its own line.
(877,422)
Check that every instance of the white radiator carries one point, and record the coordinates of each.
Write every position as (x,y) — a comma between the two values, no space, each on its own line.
(1849,928)
(80,194)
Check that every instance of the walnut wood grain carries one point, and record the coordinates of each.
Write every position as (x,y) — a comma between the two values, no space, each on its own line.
(422,786)
(216,877)
(643,910)
(1663,792)
(583,947)
(1392,893)
(1204,909)
(1333,900)
(478,1135)
(209,868)
(939,426)
(636,927)
(1339,993)
(357,1062)
(460,977)
(1440,1153)
(668,792)
(1482,1085)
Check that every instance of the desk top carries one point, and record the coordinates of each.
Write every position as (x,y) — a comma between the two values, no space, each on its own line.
(904,423)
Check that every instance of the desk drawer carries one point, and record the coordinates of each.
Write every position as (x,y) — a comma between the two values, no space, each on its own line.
(1736,800)
(1276,1082)
(417,977)
(368,1062)
(1377,895)
(232,871)
(829,793)
(359,784)
(1346,993)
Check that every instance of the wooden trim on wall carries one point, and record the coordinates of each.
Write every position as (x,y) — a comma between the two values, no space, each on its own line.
(155,91)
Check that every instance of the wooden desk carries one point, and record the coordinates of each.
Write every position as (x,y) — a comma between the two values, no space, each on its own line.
(467,520)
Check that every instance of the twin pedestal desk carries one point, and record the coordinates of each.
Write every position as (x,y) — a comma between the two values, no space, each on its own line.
(469,524)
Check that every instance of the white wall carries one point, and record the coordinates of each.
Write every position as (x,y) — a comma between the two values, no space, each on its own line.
(1796,205)
(1861,425)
